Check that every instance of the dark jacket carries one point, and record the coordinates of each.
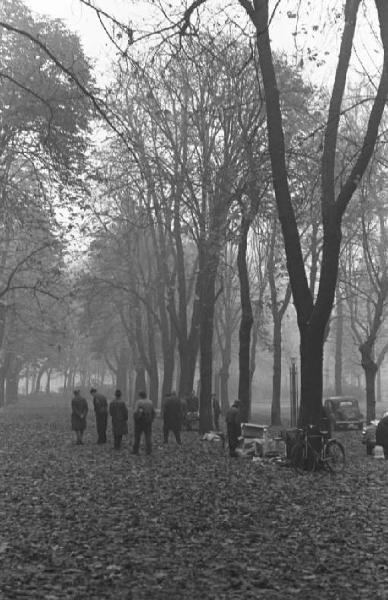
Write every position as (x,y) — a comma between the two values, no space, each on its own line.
(382,432)
(233,421)
(79,410)
(172,412)
(119,413)
(100,404)
(144,412)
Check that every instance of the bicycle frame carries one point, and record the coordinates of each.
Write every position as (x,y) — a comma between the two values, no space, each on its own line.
(327,453)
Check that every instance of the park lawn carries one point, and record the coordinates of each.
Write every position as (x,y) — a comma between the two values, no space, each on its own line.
(87,522)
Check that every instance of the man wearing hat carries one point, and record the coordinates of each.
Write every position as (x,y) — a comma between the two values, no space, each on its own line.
(101,411)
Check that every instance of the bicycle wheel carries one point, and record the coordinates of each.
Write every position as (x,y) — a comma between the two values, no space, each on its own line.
(333,456)
(302,458)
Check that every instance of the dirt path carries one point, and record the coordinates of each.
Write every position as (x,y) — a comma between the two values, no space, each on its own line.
(187,523)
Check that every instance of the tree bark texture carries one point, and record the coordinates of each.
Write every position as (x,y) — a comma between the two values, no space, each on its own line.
(153,363)
(122,371)
(245,324)
(207,274)
(339,334)
(223,377)
(277,373)
(140,381)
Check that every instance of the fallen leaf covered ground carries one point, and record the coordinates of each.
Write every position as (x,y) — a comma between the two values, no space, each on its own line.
(88,522)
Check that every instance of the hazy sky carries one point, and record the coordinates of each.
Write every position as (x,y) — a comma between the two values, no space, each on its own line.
(316,33)
(84,21)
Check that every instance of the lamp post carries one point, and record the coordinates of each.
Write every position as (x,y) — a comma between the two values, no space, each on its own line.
(294,393)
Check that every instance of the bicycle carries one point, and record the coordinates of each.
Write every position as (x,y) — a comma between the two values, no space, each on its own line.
(306,459)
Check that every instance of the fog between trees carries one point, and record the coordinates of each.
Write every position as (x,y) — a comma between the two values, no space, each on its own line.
(204,217)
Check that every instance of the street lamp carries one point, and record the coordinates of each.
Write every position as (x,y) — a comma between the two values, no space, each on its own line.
(294,392)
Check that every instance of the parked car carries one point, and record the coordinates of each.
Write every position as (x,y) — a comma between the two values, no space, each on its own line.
(344,412)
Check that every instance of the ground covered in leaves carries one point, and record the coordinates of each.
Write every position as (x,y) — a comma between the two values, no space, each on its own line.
(87,522)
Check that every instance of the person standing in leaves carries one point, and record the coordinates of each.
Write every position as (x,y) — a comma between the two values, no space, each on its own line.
(119,413)
(382,434)
(216,411)
(79,410)
(233,424)
(172,417)
(143,416)
(101,411)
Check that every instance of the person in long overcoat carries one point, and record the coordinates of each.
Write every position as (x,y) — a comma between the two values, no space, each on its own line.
(100,404)
(233,424)
(172,417)
(119,413)
(143,416)
(79,410)
(382,434)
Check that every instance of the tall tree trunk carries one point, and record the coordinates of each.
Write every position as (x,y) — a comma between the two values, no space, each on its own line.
(313,316)
(246,323)
(217,390)
(122,371)
(11,387)
(130,388)
(188,349)
(48,381)
(278,310)
(223,391)
(339,334)
(277,373)
(370,369)
(311,377)
(224,373)
(38,381)
(153,363)
(168,367)
(188,354)
(378,386)
(140,381)
(207,274)
(254,342)
(12,380)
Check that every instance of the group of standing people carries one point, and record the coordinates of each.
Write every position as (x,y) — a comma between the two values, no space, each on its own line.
(143,417)
(144,414)
(173,412)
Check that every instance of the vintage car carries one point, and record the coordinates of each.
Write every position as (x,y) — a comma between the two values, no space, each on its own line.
(256,440)
(343,412)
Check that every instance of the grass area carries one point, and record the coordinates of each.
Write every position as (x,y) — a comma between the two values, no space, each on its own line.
(186,523)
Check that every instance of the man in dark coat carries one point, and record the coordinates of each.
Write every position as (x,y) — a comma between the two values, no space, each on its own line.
(233,424)
(172,417)
(79,410)
(101,411)
(119,413)
(143,416)
(382,434)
